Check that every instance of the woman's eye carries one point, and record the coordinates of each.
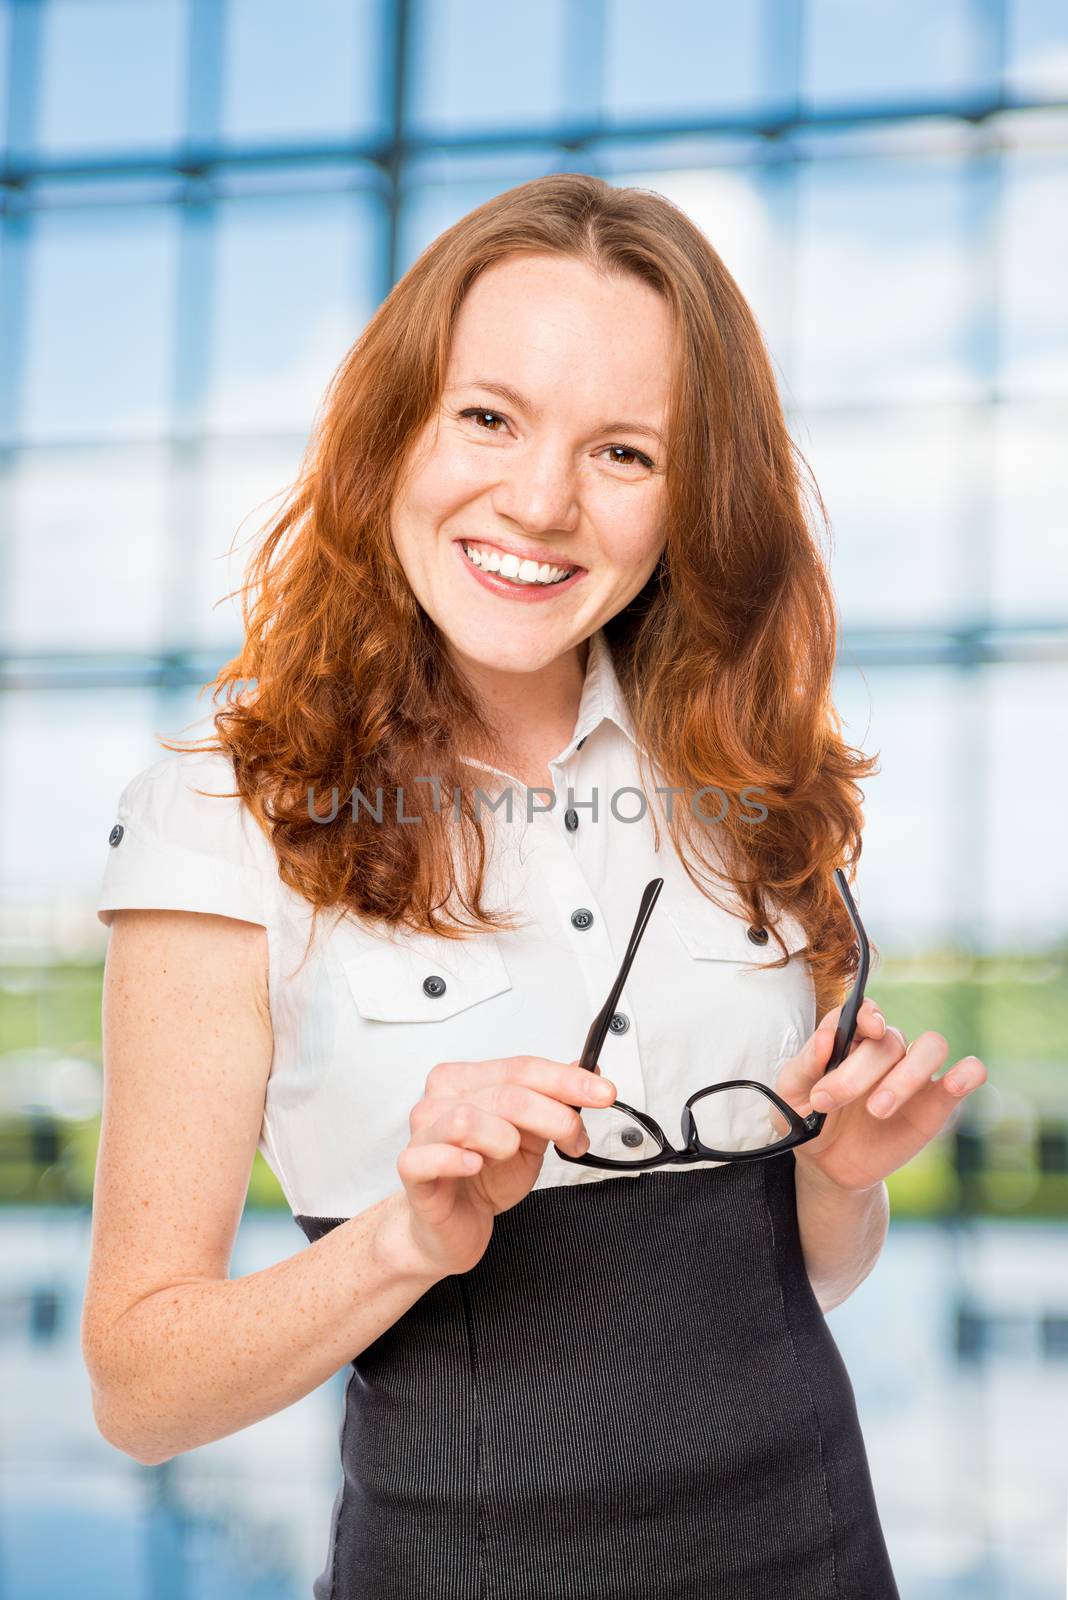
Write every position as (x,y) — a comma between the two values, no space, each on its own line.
(479,411)
(636,456)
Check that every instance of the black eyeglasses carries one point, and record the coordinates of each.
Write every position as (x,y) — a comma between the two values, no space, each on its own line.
(739,1120)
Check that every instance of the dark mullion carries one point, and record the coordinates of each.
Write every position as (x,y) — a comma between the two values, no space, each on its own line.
(397,34)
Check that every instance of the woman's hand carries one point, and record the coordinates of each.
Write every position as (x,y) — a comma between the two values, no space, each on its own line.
(860,1143)
(478,1137)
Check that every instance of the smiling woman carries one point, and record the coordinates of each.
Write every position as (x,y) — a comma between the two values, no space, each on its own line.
(566,1377)
(545,489)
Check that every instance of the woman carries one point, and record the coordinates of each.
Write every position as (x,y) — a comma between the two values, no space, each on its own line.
(565,1380)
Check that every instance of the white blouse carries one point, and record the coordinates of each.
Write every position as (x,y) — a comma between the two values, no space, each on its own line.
(355,1030)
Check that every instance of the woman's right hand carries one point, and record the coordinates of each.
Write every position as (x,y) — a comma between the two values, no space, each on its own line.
(478,1138)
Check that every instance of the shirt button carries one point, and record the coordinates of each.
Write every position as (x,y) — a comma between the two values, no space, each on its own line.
(757,935)
(434,986)
(632,1138)
(581,918)
(570,820)
(620,1022)
(116,834)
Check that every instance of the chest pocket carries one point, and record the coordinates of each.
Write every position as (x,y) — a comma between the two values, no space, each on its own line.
(757,1013)
(430,981)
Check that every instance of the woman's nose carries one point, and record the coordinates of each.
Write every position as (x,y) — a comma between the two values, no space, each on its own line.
(539,492)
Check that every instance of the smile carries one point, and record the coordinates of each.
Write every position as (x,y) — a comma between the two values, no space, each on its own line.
(513,578)
(513,568)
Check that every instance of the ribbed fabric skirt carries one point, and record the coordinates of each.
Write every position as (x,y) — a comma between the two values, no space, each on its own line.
(633,1394)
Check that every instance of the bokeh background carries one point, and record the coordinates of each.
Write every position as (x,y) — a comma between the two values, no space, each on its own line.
(201,203)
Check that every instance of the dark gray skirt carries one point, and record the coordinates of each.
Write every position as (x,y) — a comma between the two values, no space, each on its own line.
(634,1393)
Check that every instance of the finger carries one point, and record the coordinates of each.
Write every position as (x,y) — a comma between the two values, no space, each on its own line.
(536,1113)
(563,1081)
(881,1067)
(422,1166)
(463,1123)
(870,1020)
(499,1120)
(807,1079)
(929,1096)
(797,1076)
(862,1072)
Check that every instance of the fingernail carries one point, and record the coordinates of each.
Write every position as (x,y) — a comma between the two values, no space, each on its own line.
(821,1100)
(881,1103)
(880,1018)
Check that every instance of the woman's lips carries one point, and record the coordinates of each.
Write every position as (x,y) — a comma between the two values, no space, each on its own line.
(525,592)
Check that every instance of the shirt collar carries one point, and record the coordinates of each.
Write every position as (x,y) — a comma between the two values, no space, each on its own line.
(602,697)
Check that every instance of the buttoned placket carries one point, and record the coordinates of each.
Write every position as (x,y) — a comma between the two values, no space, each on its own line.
(590,940)
(559,831)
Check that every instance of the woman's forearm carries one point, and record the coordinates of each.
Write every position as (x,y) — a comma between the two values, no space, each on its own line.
(842,1233)
(198,1361)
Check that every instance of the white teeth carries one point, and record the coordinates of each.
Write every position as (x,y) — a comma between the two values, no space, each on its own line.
(510,566)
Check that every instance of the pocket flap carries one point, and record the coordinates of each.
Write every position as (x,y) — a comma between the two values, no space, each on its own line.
(387,982)
(714,935)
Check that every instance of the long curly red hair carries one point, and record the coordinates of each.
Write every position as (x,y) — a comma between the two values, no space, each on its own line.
(726,656)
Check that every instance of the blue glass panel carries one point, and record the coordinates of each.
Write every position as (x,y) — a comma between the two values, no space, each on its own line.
(1029,580)
(1036,51)
(905,715)
(712,60)
(296,283)
(428,209)
(5,68)
(99,337)
(472,69)
(65,756)
(309,71)
(887,50)
(907,524)
(885,267)
(112,75)
(87,564)
(240,486)
(1027,774)
(1034,241)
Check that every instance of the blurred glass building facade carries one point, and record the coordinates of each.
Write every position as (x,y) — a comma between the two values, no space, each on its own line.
(202,202)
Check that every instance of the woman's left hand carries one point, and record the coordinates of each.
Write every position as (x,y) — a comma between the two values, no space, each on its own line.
(857,1147)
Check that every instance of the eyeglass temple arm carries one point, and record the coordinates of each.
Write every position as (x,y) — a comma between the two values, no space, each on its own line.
(847,1021)
(599,1027)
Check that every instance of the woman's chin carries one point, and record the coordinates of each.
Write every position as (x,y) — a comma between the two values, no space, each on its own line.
(525,643)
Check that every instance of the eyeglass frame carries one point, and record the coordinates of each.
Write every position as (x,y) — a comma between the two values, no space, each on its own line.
(802,1129)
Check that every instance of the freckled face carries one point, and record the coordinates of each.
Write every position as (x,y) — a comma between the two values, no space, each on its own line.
(565,471)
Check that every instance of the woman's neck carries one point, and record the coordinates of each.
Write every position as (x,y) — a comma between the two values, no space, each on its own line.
(533,714)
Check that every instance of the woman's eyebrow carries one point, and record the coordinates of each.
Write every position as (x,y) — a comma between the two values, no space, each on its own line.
(506,392)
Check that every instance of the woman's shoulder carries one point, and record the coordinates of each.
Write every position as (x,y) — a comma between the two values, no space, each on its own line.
(182,837)
(190,799)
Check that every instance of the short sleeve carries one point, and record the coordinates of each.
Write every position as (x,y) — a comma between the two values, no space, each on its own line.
(171,848)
